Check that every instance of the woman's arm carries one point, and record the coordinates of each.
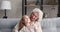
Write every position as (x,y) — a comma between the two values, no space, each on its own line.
(38,27)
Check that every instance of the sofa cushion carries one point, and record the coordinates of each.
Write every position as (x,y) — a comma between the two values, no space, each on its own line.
(48,23)
(8,23)
(58,22)
(50,30)
(6,30)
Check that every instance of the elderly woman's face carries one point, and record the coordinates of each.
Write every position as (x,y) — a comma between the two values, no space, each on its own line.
(34,16)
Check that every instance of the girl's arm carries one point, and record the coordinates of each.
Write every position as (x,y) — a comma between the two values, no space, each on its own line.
(15,28)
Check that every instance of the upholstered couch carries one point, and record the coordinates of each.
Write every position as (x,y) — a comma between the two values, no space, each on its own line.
(48,24)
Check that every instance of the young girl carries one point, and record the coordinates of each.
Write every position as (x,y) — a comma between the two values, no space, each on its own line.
(23,25)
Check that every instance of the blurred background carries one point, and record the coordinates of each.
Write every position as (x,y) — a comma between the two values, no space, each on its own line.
(50,8)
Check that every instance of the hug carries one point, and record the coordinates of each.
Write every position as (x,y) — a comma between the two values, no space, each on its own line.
(30,23)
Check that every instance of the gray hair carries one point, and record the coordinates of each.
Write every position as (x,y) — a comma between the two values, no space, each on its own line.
(40,13)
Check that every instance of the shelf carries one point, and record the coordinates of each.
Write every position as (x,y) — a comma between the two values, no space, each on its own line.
(30,5)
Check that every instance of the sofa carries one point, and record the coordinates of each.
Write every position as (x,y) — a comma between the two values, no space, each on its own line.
(47,24)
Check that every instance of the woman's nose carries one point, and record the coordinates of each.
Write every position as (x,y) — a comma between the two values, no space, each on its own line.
(33,16)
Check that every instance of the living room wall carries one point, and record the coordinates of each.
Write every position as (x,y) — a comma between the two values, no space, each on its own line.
(15,12)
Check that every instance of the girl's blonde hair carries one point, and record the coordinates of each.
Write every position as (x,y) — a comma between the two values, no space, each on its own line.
(21,23)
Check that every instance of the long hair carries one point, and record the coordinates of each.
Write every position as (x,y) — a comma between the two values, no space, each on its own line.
(21,23)
(40,13)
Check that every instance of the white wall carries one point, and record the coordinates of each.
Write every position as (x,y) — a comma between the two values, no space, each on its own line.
(16,11)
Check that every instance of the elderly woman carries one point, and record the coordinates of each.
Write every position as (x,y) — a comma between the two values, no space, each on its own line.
(36,17)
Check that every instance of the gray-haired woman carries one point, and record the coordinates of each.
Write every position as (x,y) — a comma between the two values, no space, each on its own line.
(36,17)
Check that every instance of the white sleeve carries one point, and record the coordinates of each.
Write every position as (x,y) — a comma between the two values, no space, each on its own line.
(38,27)
(16,28)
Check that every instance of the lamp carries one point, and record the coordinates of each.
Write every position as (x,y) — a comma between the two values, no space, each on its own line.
(5,5)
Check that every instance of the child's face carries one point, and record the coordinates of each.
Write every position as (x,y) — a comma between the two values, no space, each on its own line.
(26,19)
